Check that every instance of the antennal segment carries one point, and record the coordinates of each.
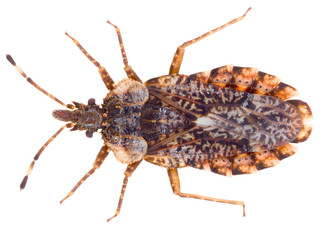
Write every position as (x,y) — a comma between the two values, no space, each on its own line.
(31,166)
(18,68)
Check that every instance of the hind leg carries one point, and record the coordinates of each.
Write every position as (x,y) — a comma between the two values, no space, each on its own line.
(175,184)
(178,57)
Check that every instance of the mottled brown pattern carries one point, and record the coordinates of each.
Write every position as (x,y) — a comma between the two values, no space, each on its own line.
(230,120)
(246,163)
(218,128)
(307,116)
(121,128)
(284,151)
(249,80)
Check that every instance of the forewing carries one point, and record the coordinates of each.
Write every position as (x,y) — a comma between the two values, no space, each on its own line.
(222,122)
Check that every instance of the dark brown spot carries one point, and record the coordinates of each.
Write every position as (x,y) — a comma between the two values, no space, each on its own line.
(10,59)
(89,134)
(91,101)
(23,183)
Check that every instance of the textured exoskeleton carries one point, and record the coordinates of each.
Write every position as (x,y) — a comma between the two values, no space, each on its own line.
(230,120)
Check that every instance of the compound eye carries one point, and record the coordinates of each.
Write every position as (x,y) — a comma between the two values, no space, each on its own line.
(89,134)
(91,101)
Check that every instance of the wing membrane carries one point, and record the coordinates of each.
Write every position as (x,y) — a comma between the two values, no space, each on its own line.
(205,121)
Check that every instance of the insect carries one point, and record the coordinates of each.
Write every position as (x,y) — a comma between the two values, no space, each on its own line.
(230,120)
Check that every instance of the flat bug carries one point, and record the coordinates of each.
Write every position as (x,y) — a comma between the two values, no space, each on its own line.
(230,120)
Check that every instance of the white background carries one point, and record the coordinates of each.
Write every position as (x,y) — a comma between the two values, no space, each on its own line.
(284,38)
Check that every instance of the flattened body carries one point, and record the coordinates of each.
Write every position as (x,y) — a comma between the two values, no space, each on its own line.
(190,122)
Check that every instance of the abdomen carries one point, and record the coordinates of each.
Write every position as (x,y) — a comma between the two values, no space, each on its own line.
(189,122)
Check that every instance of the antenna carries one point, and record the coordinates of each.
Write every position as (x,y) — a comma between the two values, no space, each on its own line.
(18,68)
(69,125)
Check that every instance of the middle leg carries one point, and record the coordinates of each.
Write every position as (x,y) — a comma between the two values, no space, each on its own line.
(98,162)
(127,68)
(108,81)
(128,173)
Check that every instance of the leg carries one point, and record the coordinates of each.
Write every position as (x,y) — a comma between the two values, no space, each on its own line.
(108,81)
(98,162)
(127,68)
(178,57)
(128,173)
(174,181)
